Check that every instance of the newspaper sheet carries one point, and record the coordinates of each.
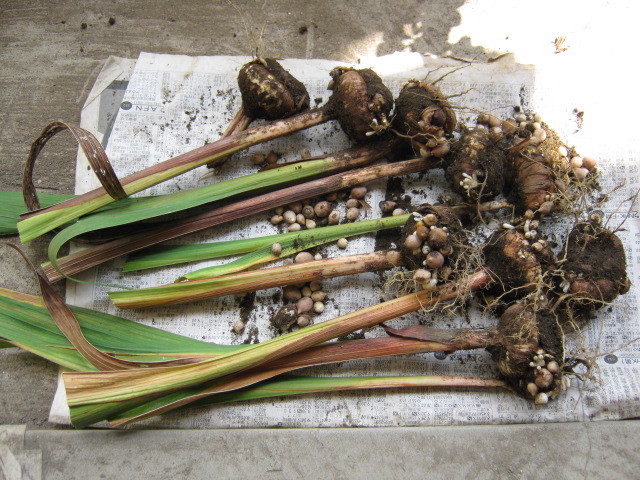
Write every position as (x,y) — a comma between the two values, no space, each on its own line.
(170,104)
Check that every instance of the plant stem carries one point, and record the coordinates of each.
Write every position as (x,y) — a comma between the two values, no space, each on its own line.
(98,387)
(91,257)
(243,282)
(34,224)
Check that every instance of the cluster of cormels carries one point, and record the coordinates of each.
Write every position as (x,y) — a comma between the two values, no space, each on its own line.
(541,296)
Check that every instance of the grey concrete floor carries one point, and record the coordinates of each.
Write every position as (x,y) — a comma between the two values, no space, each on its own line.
(50,54)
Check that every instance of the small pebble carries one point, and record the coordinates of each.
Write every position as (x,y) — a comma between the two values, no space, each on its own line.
(257,158)
(289,216)
(322,209)
(294,227)
(334,218)
(318,307)
(352,213)
(358,193)
(276,219)
(342,243)
(304,305)
(303,257)
(291,293)
(318,296)
(276,249)
(238,327)
(398,211)
(315,286)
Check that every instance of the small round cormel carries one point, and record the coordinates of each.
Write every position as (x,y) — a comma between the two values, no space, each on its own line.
(334,217)
(412,242)
(276,249)
(351,203)
(318,296)
(272,158)
(322,209)
(276,219)
(301,219)
(441,150)
(544,378)
(580,173)
(303,321)
(358,193)
(291,293)
(547,208)
(238,327)
(318,307)
(437,238)
(398,211)
(576,162)
(421,275)
(342,243)
(387,206)
(589,163)
(289,216)
(308,212)
(553,366)
(532,388)
(294,227)
(303,257)
(257,158)
(430,219)
(295,207)
(315,286)
(434,260)
(541,399)
(310,224)
(305,291)
(352,214)
(304,305)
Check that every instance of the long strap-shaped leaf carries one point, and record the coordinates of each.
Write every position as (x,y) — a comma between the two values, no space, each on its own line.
(68,325)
